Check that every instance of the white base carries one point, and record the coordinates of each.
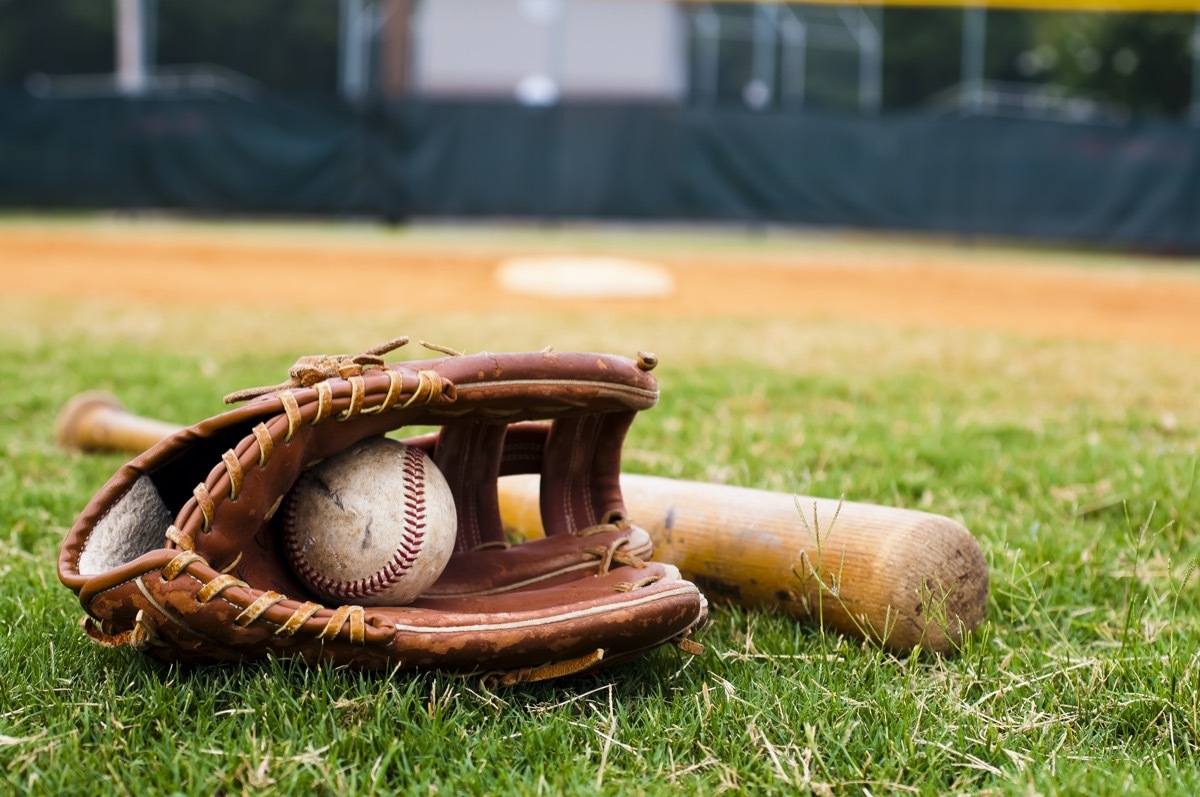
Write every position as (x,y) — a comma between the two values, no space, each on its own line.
(585,277)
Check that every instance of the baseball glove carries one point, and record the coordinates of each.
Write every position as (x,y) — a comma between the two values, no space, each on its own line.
(180,555)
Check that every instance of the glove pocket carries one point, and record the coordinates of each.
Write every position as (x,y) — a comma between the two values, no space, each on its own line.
(610,618)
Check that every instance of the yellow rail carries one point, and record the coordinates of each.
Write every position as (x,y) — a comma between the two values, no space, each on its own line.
(1158,6)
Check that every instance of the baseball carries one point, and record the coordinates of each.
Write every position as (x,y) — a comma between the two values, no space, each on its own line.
(373,525)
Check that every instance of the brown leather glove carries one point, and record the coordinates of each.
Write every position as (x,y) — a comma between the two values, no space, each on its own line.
(179,554)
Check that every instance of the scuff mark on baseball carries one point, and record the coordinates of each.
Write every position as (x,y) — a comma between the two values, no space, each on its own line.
(373,525)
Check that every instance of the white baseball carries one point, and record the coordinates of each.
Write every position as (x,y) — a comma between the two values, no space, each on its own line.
(373,525)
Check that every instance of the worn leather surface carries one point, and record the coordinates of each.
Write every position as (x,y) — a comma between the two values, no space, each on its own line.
(218,587)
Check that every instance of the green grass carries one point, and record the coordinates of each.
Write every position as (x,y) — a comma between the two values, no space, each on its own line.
(1075,464)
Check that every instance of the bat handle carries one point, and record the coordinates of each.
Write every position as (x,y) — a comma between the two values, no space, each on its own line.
(96,421)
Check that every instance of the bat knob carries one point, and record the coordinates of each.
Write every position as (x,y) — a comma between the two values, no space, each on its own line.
(71,429)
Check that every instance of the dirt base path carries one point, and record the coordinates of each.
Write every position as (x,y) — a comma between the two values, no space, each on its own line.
(929,286)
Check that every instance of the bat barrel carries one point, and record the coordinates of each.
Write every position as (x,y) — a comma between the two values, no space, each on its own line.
(96,421)
(898,577)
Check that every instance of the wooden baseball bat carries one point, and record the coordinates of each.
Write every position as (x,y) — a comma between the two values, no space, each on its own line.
(97,421)
(898,577)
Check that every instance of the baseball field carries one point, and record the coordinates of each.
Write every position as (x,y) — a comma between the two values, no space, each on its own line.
(1045,398)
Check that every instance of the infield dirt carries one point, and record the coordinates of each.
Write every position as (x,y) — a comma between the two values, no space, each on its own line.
(1053,294)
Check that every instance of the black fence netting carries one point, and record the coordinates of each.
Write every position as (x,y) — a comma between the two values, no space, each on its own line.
(1136,184)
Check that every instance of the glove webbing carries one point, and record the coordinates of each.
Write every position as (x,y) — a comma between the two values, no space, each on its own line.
(578,459)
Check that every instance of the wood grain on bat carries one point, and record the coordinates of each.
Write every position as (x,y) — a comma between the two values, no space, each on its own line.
(897,576)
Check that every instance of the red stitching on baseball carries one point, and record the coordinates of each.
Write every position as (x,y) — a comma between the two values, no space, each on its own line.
(413,472)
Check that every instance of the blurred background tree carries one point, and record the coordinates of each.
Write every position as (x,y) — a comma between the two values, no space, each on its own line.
(923,50)
(287,45)
(922,54)
(1141,63)
(1138,63)
(54,37)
